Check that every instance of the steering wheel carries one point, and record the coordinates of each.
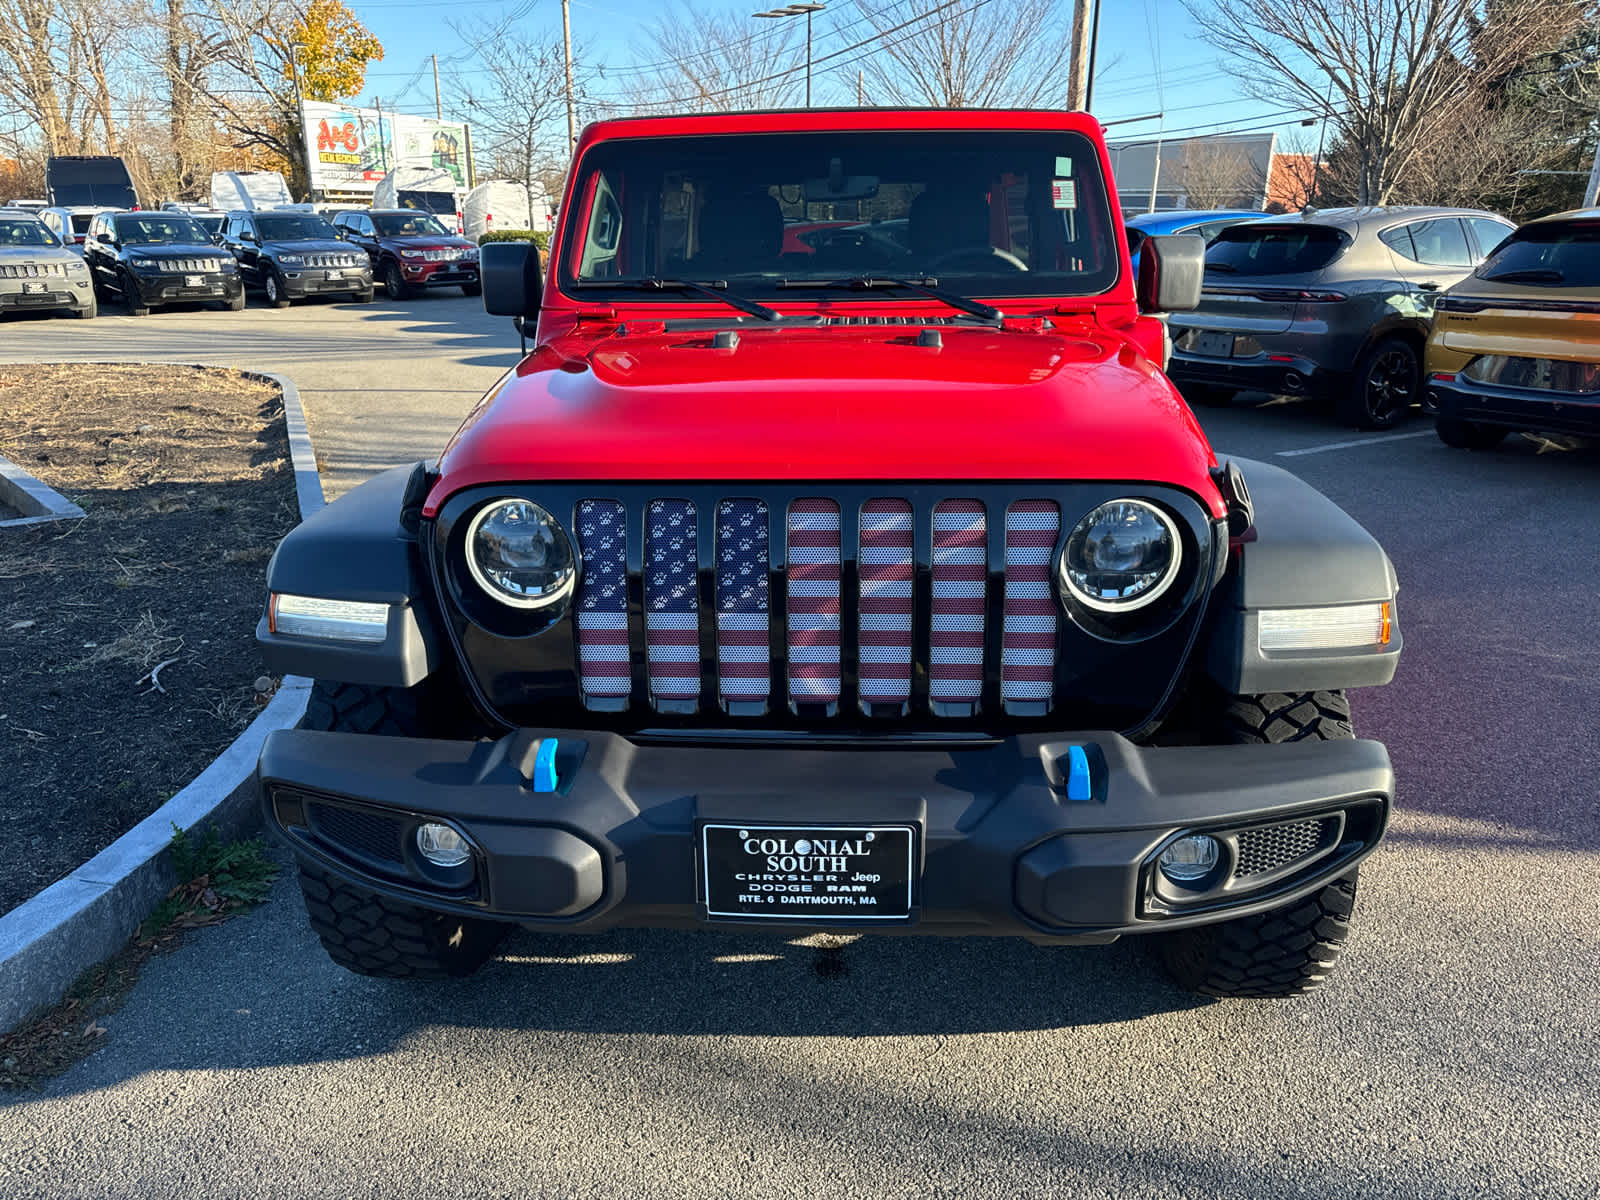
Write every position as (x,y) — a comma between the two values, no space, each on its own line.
(991,256)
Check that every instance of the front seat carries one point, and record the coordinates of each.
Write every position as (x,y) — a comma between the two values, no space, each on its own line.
(739,232)
(944,219)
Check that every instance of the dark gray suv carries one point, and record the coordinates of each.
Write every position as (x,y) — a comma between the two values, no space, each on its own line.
(1335,304)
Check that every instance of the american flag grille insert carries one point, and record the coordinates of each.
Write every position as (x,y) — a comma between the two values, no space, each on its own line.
(813,580)
(602,604)
(672,599)
(960,555)
(743,609)
(789,648)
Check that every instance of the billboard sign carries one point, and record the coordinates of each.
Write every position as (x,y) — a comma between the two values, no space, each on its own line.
(349,149)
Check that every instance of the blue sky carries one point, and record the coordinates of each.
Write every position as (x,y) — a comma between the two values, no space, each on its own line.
(1190,85)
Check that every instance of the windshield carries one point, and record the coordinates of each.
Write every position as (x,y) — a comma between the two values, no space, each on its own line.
(1257,249)
(25,233)
(1551,254)
(434,202)
(986,213)
(212,225)
(294,229)
(159,229)
(417,224)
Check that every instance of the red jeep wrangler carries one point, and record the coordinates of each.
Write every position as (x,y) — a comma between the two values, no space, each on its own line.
(884,587)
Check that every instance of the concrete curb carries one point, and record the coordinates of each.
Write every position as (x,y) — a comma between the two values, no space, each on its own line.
(36,500)
(83,919)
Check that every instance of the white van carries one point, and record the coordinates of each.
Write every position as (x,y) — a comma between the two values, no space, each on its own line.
(502,204)
(429,189)
(253,191)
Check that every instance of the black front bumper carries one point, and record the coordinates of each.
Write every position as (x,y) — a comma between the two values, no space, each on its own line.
(1538,411)
(302,282)
(175,288)
(999,847)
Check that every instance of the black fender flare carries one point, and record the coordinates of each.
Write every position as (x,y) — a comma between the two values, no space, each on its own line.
(1301,551)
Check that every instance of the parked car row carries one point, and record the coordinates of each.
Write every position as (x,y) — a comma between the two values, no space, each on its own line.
(149,259)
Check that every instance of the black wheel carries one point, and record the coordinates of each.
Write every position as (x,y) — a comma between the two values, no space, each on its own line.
(235,303)
(1207,396)
(89,311)
(472,289)
(272,285)
(1469,435)
(375,935)
(1285,951)
(130,295)
(394,283)
(361,930)
(1388,381)
(363,297)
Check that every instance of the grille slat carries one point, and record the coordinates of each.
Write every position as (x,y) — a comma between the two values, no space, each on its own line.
(892,605)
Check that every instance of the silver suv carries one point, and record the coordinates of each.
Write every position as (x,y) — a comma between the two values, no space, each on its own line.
(1335,304)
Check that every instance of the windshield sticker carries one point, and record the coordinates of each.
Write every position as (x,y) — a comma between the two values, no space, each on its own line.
(1063,165)
(1063,193)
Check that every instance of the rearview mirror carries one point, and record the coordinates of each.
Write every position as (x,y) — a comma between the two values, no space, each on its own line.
(512,284)
(1171,273)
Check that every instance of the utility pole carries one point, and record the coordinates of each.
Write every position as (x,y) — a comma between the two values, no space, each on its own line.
(1078,67)
(1593,186)
(438,104)
(1094,47)
(861,88)
(566,35)
(300,113)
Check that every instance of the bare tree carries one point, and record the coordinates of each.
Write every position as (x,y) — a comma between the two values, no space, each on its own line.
(1012,53)
(515,97)
(57,61)
(693,60)
(1219,175)
(1391,67)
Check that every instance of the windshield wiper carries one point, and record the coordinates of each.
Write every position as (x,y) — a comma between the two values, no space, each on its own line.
(715,288)
(1530,275)
(1227,267)
(927,287)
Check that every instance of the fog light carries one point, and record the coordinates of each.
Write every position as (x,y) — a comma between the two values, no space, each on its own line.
(1188,860)
(442,846)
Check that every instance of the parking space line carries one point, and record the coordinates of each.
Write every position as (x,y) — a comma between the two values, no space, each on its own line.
(1354,444)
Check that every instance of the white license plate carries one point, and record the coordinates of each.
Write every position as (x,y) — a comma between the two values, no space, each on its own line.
(194,281)
(34,289)
(336,274)
(1213,345)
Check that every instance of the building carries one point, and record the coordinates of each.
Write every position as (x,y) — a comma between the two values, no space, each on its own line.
(1214,171)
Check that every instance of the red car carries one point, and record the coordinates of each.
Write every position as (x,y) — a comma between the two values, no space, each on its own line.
(411,250)
(773,595)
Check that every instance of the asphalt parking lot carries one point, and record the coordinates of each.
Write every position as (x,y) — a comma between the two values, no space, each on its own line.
(1454,1054)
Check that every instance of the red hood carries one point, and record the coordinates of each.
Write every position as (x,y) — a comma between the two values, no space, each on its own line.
(832,403)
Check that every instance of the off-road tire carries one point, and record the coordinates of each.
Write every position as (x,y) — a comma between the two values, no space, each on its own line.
(1286,717)
(1273,955)
(356,708)
(1207,396)
(1388,382)
(472,289)
(374,935)
(272,285)
(394,282)
(1469,435)
(1285,951)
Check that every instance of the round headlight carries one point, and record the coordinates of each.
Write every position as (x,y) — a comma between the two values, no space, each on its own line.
(520,555)
(1121,556)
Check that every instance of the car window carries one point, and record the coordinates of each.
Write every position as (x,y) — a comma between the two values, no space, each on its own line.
(1441,242)
(25,232)
(1548,254)
(158,229)
(408,224)
(364,225)
(1008,213)
(80,222)
(1489,234)
(281,227)
(1260,248)
(1398,239)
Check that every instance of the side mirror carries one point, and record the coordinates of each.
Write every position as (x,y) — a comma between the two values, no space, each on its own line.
(106,238)
(1171,273)
(246,236)
(512,283)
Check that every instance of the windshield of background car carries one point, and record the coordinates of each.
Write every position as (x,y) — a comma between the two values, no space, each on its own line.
(418,224)
(1549,254)
(434,202)
(1259,249)
(159,230)
(25,233)
(212,225)
(295,229)
(986,213)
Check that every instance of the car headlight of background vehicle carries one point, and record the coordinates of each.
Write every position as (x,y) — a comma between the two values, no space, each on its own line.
(520,555)
(144,264)
(291,260)
(1121,556)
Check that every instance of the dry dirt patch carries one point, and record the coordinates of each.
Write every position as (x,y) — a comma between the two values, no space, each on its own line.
(127,647)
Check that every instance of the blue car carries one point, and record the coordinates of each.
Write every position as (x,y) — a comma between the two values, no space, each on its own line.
(1203,222)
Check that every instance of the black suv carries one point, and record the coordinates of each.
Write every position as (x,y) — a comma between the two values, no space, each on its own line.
(292,255)
(150,259)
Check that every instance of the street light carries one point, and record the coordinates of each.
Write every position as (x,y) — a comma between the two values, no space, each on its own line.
(794,10)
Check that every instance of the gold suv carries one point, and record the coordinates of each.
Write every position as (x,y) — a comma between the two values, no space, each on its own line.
(1516,345)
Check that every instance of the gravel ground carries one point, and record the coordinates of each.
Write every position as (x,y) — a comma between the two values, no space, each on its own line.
(1454,1054)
